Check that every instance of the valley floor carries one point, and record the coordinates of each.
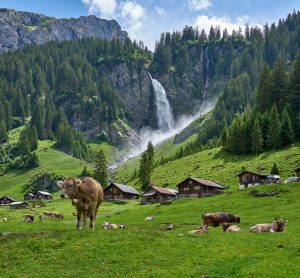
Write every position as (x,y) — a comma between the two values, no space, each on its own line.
(55,249)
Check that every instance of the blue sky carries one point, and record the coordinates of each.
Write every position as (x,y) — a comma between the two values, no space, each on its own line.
(147,19)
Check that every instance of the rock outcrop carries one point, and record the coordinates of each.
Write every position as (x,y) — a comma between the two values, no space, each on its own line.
(21,28)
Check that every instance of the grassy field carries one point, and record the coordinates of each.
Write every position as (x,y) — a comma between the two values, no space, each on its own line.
(55,249)
(50,159)
(216,165)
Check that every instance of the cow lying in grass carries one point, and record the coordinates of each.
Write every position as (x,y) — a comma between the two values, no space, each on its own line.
(276,226)
(202,230)
(150,218)
(112,226)
(216,218)
(53,214)
(28,218)
(228,227)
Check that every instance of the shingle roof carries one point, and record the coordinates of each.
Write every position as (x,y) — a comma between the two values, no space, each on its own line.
(17,203)
(258,174)
(204,182)
(44,193)
(8,198)
(126,188)
(163,190)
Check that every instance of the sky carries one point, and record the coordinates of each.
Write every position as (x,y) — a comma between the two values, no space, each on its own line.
(146,19)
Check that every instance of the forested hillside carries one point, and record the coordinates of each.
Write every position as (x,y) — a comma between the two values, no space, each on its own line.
(91,89)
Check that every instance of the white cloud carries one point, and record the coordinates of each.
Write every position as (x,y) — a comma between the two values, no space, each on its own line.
(160,11)
(132,14)
(205,22)
(104,8)
(198,5)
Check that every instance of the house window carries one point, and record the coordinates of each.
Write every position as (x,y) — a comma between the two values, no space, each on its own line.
(197,187)
(110,189)
(186,189)
(115,190)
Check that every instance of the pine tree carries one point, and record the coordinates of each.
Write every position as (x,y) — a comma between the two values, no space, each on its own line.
(34,140)
(85,172)
(146,166)
(274,170)
(100,168)
(264,90)
(256,138)
(274,129)
(286,130)
(3,133)
(295,84)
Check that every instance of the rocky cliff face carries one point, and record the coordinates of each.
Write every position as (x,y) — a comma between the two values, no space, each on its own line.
(21,28)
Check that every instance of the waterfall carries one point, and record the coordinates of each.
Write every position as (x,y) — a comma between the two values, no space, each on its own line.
(205,89)
(164,115)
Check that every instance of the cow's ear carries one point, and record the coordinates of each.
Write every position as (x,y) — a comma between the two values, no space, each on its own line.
(60,184)
(78,182)
(285,221)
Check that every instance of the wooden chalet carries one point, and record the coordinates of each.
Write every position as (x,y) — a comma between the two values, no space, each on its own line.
(4,201)
(249,179)
(298,172)
(40,195)
(158,194)
(117,191)
(19,205)
(29,196)
(198,188)
(43,195)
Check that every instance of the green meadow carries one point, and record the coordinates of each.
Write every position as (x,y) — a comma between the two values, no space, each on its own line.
(144,249)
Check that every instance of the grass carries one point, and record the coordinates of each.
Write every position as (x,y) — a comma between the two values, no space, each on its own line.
(55,249)
(51,160)
(217,165)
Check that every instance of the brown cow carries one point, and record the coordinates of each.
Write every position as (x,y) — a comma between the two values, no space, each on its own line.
(86,194)
(28,218)
(276,226)
(228,227)
(214,219)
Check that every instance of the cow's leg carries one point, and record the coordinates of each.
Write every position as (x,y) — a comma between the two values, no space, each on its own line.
(84,219)
(79,214)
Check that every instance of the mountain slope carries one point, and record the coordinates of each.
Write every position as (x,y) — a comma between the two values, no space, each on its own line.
(21,28)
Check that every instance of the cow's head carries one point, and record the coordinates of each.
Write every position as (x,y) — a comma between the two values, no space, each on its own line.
(70,187)
(237,219)
(280,224)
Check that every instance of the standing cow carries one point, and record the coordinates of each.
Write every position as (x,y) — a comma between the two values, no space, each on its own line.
(86,195)
(216,218)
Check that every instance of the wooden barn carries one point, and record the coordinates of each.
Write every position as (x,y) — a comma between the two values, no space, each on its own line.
(198,188)
(298,172)
(29,196)
(249,179)
(4,201)
(18,205)
(158,194)
(43,195)
(117,191)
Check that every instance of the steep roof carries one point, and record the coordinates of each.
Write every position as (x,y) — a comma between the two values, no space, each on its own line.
(257,174)
(17,203)
(8,198)
(44,193)
(204,182)
(161,190)
(126,188)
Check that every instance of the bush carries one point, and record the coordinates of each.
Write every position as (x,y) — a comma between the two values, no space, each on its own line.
(27,161)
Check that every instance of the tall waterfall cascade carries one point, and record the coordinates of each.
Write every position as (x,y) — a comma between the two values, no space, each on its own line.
(164,114)
(205,89)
